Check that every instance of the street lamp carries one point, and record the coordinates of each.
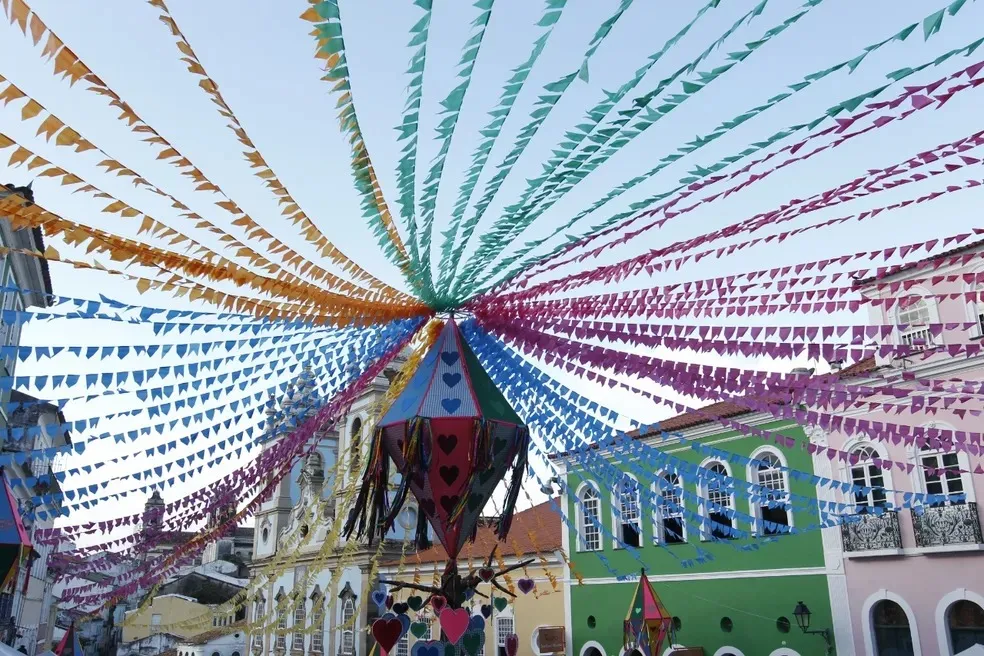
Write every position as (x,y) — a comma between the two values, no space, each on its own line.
(802,615)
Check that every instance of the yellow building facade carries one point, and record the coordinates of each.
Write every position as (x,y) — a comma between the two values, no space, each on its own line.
(170,610)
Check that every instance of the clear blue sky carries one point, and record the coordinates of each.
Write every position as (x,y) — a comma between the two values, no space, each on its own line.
(261,56)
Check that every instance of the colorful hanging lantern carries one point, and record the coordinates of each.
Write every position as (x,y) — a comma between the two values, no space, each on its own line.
(15,544)
(647,623)
(452,436)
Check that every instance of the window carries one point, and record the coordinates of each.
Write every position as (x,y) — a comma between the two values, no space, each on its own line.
(890,626)
(719,503)
(155,624)
(669,526)
(504,626)
(259,608)
(281,622)
(355,446)
(628,519)
(966,625)
(299,625)
(348,628)
(772,513)
(403,645)
(941,475)
(590,514)
(914,320)
(867,475)
(318,622)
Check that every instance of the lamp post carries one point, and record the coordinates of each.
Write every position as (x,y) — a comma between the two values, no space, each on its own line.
(802,615)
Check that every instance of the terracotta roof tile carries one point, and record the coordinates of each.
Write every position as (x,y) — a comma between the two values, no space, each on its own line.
(540,520)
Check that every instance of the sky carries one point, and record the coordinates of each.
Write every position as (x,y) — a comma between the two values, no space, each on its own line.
(261,55)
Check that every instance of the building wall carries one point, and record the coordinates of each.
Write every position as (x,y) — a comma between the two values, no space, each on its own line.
(232,644)
(527,612)
(754,605)
(171,609)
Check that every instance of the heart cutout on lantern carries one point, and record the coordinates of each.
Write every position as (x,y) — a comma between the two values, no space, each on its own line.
(454,623)
(415,602)
(401,608)
(512,644)
(500,603)
(450,357)
(472,642)
(476,623)
(419,629)
(526,585)
(486,574)
(451,379)
(447,443)
(451,405)
(449,503)
(438,603)
(449,474)
(486,611)
(387,633)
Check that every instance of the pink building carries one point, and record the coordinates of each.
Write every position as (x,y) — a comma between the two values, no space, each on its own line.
(913,579)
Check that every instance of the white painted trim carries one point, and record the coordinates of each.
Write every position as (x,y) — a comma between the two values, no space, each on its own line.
(709,576)
(866,630)
(579,517)
(886,472)
(918,475)
(566,544)
(785,651)
(591,643)
(942,621)
(729,651)
(703,494)
(669,650)
(616,512)
(751,477)
(657,491)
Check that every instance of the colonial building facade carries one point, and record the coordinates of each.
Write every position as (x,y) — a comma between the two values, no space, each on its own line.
(334,600)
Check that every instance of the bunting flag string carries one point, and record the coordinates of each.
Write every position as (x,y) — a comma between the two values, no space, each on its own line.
(552,13)
(917,94)
(331,48)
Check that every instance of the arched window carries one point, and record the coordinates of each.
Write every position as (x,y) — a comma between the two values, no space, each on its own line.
(318,624)
(281,600)
(259,609)
(941,475)
(297,644)
(590,504)
(355,446)
(772,506)
(965,620)
(719,503)
(890,625)
(866,474)
(914,319)
(668,525)
(627,516)
(348,626)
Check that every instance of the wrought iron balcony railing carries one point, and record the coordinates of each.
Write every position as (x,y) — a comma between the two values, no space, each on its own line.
(947,525)
(872,532)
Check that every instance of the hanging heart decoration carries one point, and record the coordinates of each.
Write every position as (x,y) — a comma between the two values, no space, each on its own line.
(486,611)
(476,623)
(379,597)
(419,629)
(500,603)
(486,574)
(512,644)
(454,623)
(387,633)
(472,642)
(526,585)
(415,602)
(438,603)
(389,602)
(401,608)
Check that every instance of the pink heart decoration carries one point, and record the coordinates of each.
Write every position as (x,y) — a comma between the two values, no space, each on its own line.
(438,603)
(512,644)
(526,585)
(454,623)
(486,574)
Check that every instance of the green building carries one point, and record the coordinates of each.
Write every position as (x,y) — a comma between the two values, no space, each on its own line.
(731,583)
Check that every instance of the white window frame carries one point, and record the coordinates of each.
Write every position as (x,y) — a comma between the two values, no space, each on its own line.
(259,610)
(500,636)
(348,634)
(754,477)
(851,448)
(583,523)
(674,493)
(918,330)
(300,620)
(707,530)
(918,476)
(617,510)
(281,641)
(403,645)
(318,621)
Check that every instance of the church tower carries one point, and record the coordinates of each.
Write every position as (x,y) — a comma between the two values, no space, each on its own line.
(273,514)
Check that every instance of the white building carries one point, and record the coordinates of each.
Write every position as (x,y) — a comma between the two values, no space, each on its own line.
(219,642)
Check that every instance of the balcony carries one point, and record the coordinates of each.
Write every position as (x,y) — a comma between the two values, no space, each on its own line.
(872,535)
(947,526)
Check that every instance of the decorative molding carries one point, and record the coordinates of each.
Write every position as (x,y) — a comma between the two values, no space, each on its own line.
(942,622)
(729,651)
(592,643)
(866,629)
(706,576)
(566,544)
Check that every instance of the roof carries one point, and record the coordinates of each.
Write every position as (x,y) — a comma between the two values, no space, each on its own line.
(542,520)
(974,245)
(214,634)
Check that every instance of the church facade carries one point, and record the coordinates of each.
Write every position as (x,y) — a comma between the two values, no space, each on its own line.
(324,590)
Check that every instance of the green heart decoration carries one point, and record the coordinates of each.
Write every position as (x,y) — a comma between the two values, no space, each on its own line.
(449,649)
(500,603)
(419,629)
(472,642)
(415,602)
